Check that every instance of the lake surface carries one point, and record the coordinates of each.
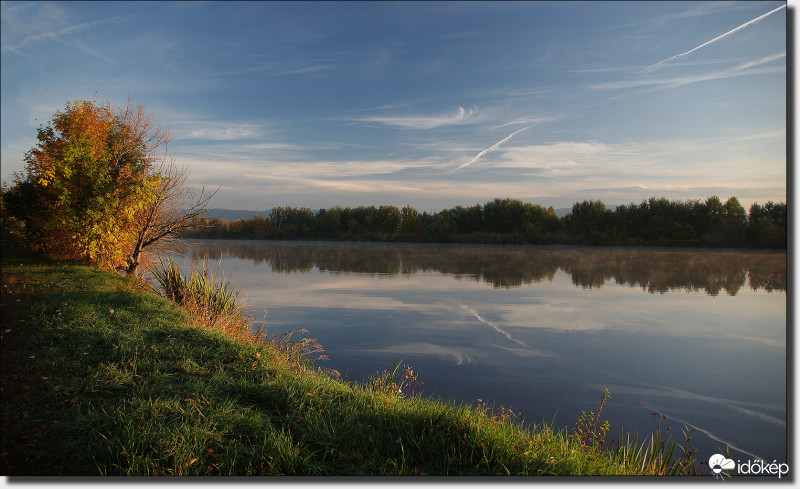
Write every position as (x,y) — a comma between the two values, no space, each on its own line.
(699,336)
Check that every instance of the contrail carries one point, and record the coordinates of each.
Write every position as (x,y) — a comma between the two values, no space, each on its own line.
(652,67)
(67,30)
(493,325)
(492,147)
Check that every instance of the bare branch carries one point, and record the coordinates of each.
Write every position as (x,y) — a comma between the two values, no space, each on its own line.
(141,135)
(173,208)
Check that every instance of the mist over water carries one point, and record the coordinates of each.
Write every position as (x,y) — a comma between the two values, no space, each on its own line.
(699,336)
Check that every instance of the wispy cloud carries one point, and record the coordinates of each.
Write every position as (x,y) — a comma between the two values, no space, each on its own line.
(732,31)
(491,148)
(21,6)
(277,69)
(224,131)
(269,161)
(305,69)
(460,116)
(743,69)
(528,120)
(67,30)
(456,355)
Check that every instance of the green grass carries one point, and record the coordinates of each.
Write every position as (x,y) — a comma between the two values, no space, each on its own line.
(144,390)
(204,289)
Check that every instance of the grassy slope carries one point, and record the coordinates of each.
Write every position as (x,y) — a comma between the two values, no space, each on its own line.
(139,391)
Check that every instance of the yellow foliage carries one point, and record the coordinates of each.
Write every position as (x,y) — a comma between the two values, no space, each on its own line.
(93,179)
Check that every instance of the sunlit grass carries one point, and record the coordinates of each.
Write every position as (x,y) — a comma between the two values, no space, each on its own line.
(143,390)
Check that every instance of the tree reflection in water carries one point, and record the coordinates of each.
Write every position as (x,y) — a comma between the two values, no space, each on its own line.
(654,271)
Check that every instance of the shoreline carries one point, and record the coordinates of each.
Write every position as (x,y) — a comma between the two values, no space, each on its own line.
(114,372)
(453,245)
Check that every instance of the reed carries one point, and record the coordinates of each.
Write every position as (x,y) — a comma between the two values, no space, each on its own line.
(207,294)
(656,455)
(395,382)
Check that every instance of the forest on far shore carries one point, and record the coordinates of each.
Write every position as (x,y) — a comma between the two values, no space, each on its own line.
(656,221)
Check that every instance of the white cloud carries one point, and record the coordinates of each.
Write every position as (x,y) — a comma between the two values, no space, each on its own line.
(454,354)
(667,156)
(528,120)
(21,6)
(549,173)
(742,69)
(258,165)
(226,132)
(216,131)
(460,116)
(274,189)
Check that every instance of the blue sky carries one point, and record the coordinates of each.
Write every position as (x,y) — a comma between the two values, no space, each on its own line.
(423,103)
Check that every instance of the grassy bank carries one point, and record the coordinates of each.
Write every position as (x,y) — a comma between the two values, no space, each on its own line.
(101,376)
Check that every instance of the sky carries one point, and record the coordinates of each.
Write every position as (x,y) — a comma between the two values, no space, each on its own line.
(428,104)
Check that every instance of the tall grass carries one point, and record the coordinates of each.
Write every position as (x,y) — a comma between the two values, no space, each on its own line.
(210,297)
(394,382)
(656,455)
(214,303)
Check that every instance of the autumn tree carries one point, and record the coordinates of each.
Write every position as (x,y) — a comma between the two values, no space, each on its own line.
(97,187)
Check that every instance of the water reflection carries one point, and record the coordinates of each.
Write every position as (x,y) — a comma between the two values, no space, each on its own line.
(545,330)
(654,271)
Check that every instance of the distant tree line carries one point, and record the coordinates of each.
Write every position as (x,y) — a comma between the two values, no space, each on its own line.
(656,221)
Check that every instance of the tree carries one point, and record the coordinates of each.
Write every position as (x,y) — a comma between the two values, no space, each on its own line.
(389,219)
(96,189)
(734,222)
(83,185)
(410,223)
(589,219)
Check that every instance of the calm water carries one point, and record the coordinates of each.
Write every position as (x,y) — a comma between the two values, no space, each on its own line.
(697,336)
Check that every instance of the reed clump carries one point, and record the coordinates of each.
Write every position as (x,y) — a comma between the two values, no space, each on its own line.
(210,297)
(395,382)
(658,454)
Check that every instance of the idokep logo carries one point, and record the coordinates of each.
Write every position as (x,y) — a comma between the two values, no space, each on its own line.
(719,462)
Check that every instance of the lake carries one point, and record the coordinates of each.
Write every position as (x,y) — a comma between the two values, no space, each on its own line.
(698,336)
